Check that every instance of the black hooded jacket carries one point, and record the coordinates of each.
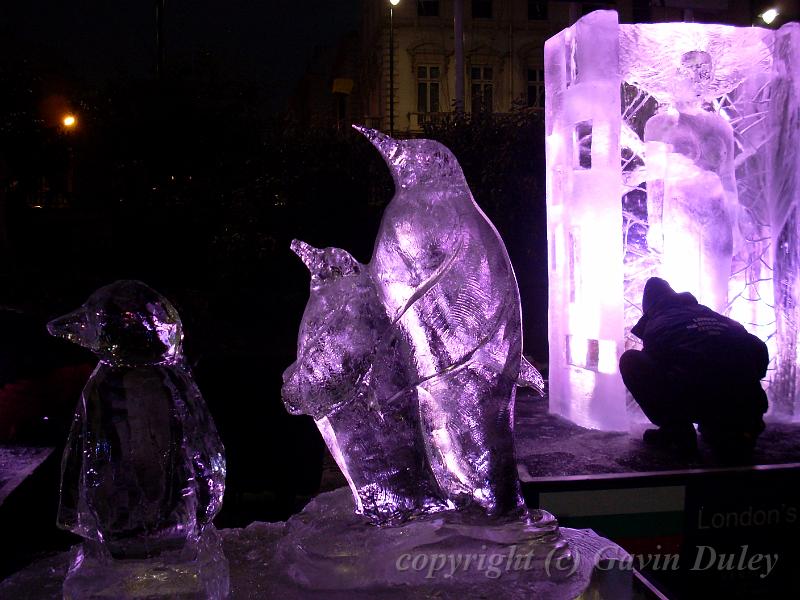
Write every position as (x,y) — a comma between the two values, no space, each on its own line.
(677,330)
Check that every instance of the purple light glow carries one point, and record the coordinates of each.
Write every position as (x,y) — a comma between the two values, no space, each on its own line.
(672,132)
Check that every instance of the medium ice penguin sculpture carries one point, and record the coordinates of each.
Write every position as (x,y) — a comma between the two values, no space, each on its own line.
(410,364)
(143,473)
(353,377)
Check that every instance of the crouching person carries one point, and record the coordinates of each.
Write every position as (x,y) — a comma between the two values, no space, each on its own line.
(696,366)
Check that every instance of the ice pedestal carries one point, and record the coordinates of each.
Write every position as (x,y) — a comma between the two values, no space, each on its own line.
(671,151)
(196,573)
(326,552)
(327,549)
(333,548)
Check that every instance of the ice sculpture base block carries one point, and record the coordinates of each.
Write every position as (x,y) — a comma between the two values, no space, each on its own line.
(196,573)
(331,548)
(328,553)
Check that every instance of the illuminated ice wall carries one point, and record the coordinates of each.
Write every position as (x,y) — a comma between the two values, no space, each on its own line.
(671,151)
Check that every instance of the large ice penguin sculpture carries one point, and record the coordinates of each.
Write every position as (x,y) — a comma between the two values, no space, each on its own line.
(144,469)
(409,364)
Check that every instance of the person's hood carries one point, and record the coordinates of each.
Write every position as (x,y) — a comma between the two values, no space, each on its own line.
(655,291)
(657,295)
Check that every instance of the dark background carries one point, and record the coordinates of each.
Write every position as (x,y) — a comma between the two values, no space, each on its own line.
(195,181)
(269,43)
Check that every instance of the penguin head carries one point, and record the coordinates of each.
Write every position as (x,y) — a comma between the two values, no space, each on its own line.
(325,265)
(341,325)
(416,162)
(126,323)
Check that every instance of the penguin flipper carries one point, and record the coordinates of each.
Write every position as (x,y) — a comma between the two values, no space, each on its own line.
(71,466)
(207,451)
(530,377)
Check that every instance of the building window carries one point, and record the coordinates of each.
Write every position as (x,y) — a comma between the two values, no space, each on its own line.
(482,88)
(428,8)
(481,9)
(428,89)
(537,10)
(535,88)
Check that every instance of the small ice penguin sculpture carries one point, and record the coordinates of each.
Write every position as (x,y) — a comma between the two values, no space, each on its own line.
(410,364)
(144,469)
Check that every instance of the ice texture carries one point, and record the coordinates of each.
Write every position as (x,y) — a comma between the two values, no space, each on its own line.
(693,208)
(683,136)
(409,364)
(583,128)
(353,377)
(781,216)
(143,472)
(201,574)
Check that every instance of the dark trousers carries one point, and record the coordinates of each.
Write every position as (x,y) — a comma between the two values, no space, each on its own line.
(675,397)
(660,392)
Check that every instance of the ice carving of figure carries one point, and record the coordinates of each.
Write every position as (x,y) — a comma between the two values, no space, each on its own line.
(691,187)
(409,364)
(144,469)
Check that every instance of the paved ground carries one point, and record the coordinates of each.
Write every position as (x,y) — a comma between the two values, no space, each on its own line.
(550,446)
(16,463)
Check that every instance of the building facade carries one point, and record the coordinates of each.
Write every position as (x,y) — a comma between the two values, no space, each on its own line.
(503,51)
(503,57)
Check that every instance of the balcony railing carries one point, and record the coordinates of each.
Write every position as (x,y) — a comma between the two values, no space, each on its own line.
(372,122)
(418,120)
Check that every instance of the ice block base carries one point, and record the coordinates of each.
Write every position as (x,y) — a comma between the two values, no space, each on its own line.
(327,552)
(199,574)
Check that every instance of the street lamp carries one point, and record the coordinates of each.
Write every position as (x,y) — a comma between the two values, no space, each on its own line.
(69,122)
(392,4)
(768,16)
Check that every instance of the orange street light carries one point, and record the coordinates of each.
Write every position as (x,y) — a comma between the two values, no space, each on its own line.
(69,121)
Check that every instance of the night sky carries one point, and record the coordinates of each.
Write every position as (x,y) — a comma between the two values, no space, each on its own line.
(265,41)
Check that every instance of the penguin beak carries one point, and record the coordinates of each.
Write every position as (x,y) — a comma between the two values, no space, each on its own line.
(311,257)
(387,146)
(71,327)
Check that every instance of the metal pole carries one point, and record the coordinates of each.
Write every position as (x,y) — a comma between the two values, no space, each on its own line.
(573,12)
(160,37)
(391,70)
(458,33)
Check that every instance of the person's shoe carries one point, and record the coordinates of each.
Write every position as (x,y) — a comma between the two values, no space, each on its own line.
(682,440)
(732,446)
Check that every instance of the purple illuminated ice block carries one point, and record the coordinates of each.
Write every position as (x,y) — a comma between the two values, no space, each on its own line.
(671,151)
